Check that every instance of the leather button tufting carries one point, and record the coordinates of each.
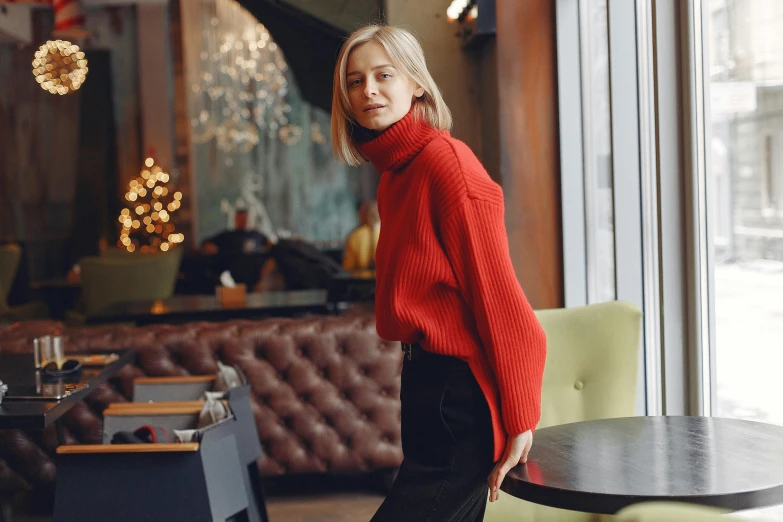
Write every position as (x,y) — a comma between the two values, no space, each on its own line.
(329,378)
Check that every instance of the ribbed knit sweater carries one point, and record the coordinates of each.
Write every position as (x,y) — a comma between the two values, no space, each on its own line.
(444,273)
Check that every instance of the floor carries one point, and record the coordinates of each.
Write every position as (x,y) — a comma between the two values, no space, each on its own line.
(346,507)
(333,507)
(313,499)
(359,506)
(348,499)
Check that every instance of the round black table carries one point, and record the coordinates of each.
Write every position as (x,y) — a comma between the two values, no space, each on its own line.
(603,466)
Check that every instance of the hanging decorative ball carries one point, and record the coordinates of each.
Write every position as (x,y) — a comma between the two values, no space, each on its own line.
(59,67)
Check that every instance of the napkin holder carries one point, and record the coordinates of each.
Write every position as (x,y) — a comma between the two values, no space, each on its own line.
(231,296)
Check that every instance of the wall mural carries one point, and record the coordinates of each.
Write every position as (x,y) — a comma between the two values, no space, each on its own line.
(255,142)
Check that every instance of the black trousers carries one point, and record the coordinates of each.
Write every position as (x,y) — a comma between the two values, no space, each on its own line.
(447,445)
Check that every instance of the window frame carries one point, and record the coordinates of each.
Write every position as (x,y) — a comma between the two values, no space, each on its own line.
(634,174)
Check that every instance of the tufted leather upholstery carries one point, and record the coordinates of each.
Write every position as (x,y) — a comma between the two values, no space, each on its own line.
(325,389)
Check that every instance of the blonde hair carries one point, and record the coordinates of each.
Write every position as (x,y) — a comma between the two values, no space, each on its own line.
(407,55)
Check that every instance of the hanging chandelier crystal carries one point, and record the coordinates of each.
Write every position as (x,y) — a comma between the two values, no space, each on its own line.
(236,135)
(241,90)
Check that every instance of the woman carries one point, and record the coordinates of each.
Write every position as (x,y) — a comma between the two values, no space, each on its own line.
(474,350)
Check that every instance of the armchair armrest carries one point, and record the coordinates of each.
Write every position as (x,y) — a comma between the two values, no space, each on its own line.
(74,449)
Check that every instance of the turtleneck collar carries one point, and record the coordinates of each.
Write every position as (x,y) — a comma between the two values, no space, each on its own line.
(399,144)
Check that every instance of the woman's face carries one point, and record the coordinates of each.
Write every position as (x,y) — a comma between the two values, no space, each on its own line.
(379,93)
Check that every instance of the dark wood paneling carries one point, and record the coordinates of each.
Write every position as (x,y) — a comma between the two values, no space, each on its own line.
(6,216)
(41,139)
(529,145)
(94,208)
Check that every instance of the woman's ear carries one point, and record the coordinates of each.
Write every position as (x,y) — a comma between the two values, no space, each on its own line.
(419,92)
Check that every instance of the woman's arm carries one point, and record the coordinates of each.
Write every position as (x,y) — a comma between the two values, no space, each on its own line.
(474,237)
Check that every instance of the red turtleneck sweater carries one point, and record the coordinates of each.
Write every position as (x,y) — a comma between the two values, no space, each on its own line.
(444,274)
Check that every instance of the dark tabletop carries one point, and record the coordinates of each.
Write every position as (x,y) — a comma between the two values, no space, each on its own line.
(18,372)
(207,307)
(602,466)
(352,287)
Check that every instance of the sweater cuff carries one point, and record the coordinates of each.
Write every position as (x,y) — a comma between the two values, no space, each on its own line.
(516,422)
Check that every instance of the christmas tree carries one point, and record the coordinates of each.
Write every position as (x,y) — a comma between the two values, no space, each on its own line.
(147,223)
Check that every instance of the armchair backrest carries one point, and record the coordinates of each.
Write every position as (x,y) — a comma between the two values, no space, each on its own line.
(109,280)
(591,365)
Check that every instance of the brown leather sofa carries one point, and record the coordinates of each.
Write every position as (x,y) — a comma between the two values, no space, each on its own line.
(325,390)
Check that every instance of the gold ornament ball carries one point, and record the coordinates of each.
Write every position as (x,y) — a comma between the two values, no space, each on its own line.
(59,67)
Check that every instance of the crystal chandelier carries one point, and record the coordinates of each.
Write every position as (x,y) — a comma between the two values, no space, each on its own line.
(242,86)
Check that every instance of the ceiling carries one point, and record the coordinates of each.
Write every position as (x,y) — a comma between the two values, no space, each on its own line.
(310,33)
(347,15)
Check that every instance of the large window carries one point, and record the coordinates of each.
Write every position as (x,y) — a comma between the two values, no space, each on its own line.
(743,122)
(602,70)
(675,202)
(597,139)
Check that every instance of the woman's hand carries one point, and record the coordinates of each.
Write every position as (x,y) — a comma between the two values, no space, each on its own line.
(517,448)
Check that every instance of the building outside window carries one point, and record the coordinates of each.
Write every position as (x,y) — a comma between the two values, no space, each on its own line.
(745,202)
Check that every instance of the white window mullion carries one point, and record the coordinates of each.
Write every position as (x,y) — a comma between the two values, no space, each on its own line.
(650,208)
(626,166)
(701,317)
(572,183)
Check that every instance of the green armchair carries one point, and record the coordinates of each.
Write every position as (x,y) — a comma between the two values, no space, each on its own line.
(145,277)
(682,512)
(671,512)
(590,373)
